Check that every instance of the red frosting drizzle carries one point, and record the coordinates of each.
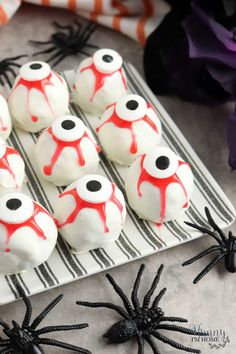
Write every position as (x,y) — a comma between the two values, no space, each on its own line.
(161,184)
(4,164)
(61,145)
(100,207)
(101,77)
(31,223)
(123,124)
(2,127)
(38,85)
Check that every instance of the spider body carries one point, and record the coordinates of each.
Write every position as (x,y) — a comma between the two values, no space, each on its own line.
(26,338)
(226,248)
(69,40)
(6,68)
(142,321)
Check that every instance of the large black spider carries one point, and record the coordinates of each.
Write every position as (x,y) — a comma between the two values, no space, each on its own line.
(141,321)
(226,248)
(6,67)
(69,40)
(25,338)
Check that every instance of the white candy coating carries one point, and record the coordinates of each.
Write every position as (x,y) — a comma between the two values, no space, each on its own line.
(128,129)
(88,230)
(105,71)
(38,96)
(159,185)
(21,246)
(5,119)
(76,147)
(12,169)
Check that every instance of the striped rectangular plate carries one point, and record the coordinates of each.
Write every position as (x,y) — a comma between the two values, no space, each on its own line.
(139,238)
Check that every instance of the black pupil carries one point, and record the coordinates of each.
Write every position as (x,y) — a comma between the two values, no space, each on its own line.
(35,66)
(132,105)
(68,124)
(93,186)
(13,204)
(162,162)
(107,58)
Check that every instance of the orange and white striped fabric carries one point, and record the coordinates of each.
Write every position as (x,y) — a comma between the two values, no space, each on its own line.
(135,18)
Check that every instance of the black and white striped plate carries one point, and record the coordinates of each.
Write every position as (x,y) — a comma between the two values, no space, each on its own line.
(138,238)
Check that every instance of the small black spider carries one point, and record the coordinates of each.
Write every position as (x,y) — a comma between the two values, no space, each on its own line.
(69,41)
(141,321)
(226,248)
(25,338)
(6,68)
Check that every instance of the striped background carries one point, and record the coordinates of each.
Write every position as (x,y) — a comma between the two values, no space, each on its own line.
(139,238)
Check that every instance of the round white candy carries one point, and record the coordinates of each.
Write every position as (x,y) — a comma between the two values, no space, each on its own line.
(5,119)
(128,129)
(159,185)
(90,213)
(100,81)
(12,169)
(28,233)
(66,151)
(38,96)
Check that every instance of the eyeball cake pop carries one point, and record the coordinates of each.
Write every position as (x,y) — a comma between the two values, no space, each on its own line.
(38,96)
(66,151)
(28,233)
(5,119)
(12,169)
(159,185)
(90,213)
(128,129)
(100,81)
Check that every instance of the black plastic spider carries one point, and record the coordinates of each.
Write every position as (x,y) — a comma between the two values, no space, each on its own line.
(71,40)
(25,338)
(142,322)
(226,248)
(6,67)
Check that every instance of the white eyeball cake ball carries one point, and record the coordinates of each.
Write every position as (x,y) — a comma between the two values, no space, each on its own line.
(159,185)
(66,151)
(5,119)
(90,213)
(12,169)
(128,129)
(28,233)
(38,96)
(100,81)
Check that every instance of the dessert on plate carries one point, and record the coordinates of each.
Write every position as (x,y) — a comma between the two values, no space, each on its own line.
(38,96)
(28,233)
(159,185)
(5,119)
(90,213)
(128,129)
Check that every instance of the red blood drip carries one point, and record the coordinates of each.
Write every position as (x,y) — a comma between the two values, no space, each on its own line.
(100,207)
(4,164)
(31,223)
(2,127)
(161,184)
(101,77)
(61,145)
(38,85)
(123,124)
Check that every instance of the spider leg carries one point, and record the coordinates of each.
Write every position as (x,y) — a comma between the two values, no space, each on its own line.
(39,42)
(184,330)
(14,64)
(120,292)
(49,50)
(7,78)
(55,55)
(107,305)
(152,344)
(61,328)
(134,294)
(214,225)
(205,231)
(140,344)
(45,312)
(201,254)
(174,319)
(12,72)
(174,344)
(56,343)
(7,351)
(87,32)
(84,53)
(208,268)
(61,58)
(28,305)
(155,282)
(91,46)
(4,343)
(14,58)
(4,324)
(1,81)
(158,298)
(58,25)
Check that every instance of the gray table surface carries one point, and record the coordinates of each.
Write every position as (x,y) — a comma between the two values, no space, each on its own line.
(211,304)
